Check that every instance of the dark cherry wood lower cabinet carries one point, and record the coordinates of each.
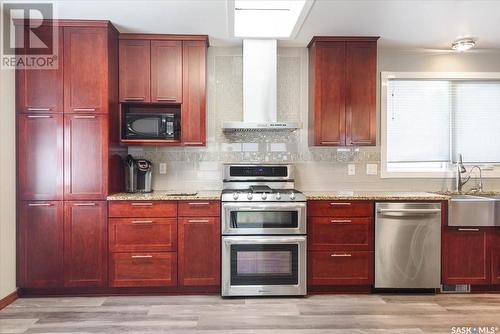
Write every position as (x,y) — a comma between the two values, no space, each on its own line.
(145,269)
(495,256)
(340,268)
(466,259)
(85,240)
(40,244)
(199,251)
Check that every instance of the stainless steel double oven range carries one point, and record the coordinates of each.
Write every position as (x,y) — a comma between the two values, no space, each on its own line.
(263,232)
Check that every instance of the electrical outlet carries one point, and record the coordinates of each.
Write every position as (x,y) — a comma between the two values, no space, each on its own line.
(163,168)
(371,169)
(351,169)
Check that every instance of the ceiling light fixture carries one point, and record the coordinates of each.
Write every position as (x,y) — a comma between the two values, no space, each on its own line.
(463,44)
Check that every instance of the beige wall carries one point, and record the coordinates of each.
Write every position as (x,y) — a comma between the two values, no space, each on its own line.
(7,184)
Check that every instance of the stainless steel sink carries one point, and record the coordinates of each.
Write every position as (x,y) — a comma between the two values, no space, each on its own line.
(467,210)
(496,198)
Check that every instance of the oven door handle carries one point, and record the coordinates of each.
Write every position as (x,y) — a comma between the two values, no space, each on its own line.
(263,240)
(264,206)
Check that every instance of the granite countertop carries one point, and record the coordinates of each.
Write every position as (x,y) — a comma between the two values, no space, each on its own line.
(374,195)
(166,196)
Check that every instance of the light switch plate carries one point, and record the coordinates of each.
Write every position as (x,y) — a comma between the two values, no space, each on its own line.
(163,168)
(371,169)
(351,169)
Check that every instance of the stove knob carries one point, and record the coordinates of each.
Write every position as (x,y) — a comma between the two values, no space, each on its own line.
(236,195)
(278,196)
(249,196)
(292,196)
(264,196)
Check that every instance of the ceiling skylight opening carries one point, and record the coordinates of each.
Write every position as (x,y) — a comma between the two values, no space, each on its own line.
(269,18)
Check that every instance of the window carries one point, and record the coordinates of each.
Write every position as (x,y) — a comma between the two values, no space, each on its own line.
(428,118)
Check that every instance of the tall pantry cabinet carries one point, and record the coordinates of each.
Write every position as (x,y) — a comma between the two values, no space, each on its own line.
(67,144)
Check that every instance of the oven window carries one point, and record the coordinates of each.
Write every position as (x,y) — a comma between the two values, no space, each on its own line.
(264,219)
(264,264)
(146,126)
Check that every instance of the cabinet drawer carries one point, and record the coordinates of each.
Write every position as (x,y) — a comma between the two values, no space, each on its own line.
(155,209)
(329,233)
(340,268)
(199,208)
(340,208)
(143,269)
(142,235)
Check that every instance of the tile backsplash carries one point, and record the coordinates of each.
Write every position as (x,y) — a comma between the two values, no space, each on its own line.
(317,168)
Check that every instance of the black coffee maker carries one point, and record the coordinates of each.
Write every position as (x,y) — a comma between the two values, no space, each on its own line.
(138,175)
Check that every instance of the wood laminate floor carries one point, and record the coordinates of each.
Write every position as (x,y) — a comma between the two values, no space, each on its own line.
(338,314)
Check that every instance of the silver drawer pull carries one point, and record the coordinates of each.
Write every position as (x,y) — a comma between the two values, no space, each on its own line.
(141,204)
(84,109)
(166,99)
(39,204)
(84,204)
(142,256)
(198,220)
(39,116)
(340,255)
(199,203)
(38,109)
(133,99)
(193,143)
(84,117)
(340,204)
(142,222)
(469,229)
(340,221)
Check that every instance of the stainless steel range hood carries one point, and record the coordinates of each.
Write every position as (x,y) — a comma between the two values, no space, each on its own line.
(259,89)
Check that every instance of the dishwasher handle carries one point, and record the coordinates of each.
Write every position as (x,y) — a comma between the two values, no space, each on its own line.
(410,211)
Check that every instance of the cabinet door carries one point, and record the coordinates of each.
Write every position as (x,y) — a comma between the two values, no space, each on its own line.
(85,157)
(41,90)
(495,257)
(329,94)
(465,256)
(85,253)
(85,70)
(166,71)
(193,128)
(40,244)
(199,251)
(40,156)
(361,67)
(337,233)
(340,268)
(135,70)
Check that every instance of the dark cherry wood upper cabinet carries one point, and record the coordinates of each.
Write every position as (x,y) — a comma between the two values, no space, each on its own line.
(85,70)
(193,127)
(41,90)
(166,71)
(361,70)
(135,70)
(85,157)
(85,240)
(40,156)
(40,244)
(465,257)
(342,91)
(199,251)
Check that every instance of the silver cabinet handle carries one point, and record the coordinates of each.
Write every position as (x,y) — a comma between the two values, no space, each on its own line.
(39,204)
(341,221)
(330,142)
(142,222)
(198,220)
(39,116)
(341,255)
(133,98)
(141,204)
(38,109)
(142,256)
(84,204)
(409,210)
(193,143)
(469,229)
(85,117)
(84,109)
(166,98)
(199,203)
(340,204)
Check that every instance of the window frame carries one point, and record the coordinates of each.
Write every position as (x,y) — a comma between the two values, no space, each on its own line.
(489,170)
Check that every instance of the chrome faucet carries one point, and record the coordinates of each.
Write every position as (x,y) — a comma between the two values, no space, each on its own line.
(460,182)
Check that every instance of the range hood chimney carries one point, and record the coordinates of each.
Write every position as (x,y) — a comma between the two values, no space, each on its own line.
(259,89)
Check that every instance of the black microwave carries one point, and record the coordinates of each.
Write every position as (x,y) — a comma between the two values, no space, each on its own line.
(151,126)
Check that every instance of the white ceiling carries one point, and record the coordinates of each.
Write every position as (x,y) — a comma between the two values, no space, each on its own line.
(409,24)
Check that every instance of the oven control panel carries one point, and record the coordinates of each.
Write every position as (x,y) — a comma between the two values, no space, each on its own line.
(248,196)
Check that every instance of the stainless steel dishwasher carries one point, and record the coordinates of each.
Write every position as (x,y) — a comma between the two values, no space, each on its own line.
(407,245)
